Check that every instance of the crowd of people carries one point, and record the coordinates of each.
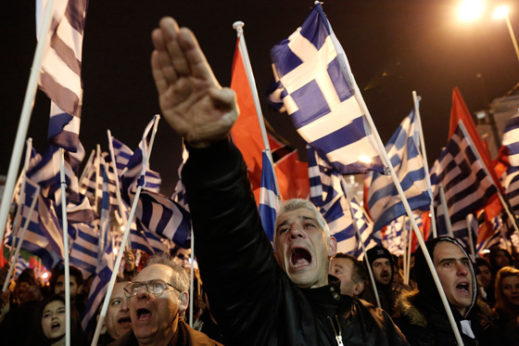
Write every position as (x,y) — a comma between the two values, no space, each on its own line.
(295,291)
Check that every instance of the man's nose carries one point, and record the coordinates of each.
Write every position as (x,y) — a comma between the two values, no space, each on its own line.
(124,305)
(296,231)
(461,268)
(143,293)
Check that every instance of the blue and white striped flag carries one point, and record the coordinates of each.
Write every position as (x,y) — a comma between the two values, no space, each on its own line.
(511,140)
(84,251)
(20,266)
(467,186)
(370,238)
(122,154)
(269,197)
(510,182)
(60,76)
(318,92)
(99,286)
(142,239)
(92,183)
(403,151)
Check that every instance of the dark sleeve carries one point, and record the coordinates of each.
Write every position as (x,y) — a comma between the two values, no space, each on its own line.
(235,257)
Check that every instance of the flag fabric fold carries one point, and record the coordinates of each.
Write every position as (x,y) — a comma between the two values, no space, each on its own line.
(269,198)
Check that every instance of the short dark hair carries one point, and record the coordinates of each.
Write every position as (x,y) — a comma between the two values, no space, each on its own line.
(60,270)
(359,273)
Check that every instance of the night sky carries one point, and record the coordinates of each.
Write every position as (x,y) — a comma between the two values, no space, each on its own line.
(394,47)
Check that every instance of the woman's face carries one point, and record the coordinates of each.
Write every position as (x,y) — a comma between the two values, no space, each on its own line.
(53,319)
(511,289)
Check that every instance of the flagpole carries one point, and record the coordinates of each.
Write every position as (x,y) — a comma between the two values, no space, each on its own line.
(238,26)
(383,154)
(98,169)
(65,244)
(504,202)
(446,215)
(355,226)
(145,160)
(425,163)
(25,117)
(20,240)
(18,215)
(117,187)
(191,277)
(409,244)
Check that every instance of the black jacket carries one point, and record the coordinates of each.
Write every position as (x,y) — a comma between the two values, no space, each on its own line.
(421,314)
(253,300)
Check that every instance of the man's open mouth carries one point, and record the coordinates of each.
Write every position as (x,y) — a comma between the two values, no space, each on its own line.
(300,257)
(124,320)
(463,287)
(143,314)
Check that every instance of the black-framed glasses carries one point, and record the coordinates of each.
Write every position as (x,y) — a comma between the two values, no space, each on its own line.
(155,287)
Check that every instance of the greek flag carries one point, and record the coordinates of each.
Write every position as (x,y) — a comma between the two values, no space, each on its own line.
(511,140)
(510,182)
(327,194)
(403,151)
(84,251)
(398,232)
(179,194)
(92,183)
(122,154)
(142,239)
(99,286)
(466,184)
(60,76)
(162,217)
(365,227)
(269,197)
(318,91)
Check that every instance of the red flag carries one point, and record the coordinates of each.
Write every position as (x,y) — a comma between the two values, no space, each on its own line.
(246,133)
(459,111)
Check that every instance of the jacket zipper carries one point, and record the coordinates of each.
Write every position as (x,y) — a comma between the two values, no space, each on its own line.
(338,336)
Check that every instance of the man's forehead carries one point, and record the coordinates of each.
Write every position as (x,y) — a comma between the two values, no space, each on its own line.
(118,291)
(299,213)
(446,249)
(155,271)
(341,262)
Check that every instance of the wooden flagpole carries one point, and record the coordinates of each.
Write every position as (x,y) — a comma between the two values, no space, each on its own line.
(65,244)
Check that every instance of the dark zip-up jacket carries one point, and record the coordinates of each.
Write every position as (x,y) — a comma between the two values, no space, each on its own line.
(253,300)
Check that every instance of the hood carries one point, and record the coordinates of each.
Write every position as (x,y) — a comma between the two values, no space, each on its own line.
(424,279)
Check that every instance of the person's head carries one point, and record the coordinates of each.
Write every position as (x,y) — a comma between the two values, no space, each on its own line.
(381,262)
(483,273)
(58,281)
(27,288)
(53,318)
(302,243)
(499,258)
(351,273)
(507,288)
(50,328)
(118,315)
(157,296)
(180,256)
(454,271)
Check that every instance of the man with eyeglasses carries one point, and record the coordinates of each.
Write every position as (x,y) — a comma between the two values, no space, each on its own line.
(157,299)
(258,297)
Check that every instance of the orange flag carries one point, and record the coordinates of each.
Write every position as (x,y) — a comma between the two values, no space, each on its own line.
(246,133)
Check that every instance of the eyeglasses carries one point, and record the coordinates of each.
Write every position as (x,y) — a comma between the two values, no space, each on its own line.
(155,287)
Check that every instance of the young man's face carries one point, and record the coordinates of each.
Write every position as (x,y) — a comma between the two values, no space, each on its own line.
(453,267)
(59,289)
(302,248)
(343,268)
(382,270)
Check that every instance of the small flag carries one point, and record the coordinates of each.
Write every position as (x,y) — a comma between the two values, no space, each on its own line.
(269,198)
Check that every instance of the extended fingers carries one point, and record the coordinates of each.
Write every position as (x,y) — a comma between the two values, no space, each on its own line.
(170,32)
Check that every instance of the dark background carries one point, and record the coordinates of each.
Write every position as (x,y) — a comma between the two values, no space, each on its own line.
(394,47)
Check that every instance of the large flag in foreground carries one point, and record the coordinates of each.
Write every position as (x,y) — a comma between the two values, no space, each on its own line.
(60,76)
(318,94)
(466,184)
(511,141)
(403,151)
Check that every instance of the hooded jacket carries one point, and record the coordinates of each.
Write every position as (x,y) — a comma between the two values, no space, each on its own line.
(422,317)
(251,297)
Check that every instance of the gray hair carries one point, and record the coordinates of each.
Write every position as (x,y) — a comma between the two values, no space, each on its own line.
(298,203)
(180,278)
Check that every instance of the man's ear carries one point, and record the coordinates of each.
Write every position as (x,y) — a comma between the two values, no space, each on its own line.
(332,246)
(358,288)
(183,301)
